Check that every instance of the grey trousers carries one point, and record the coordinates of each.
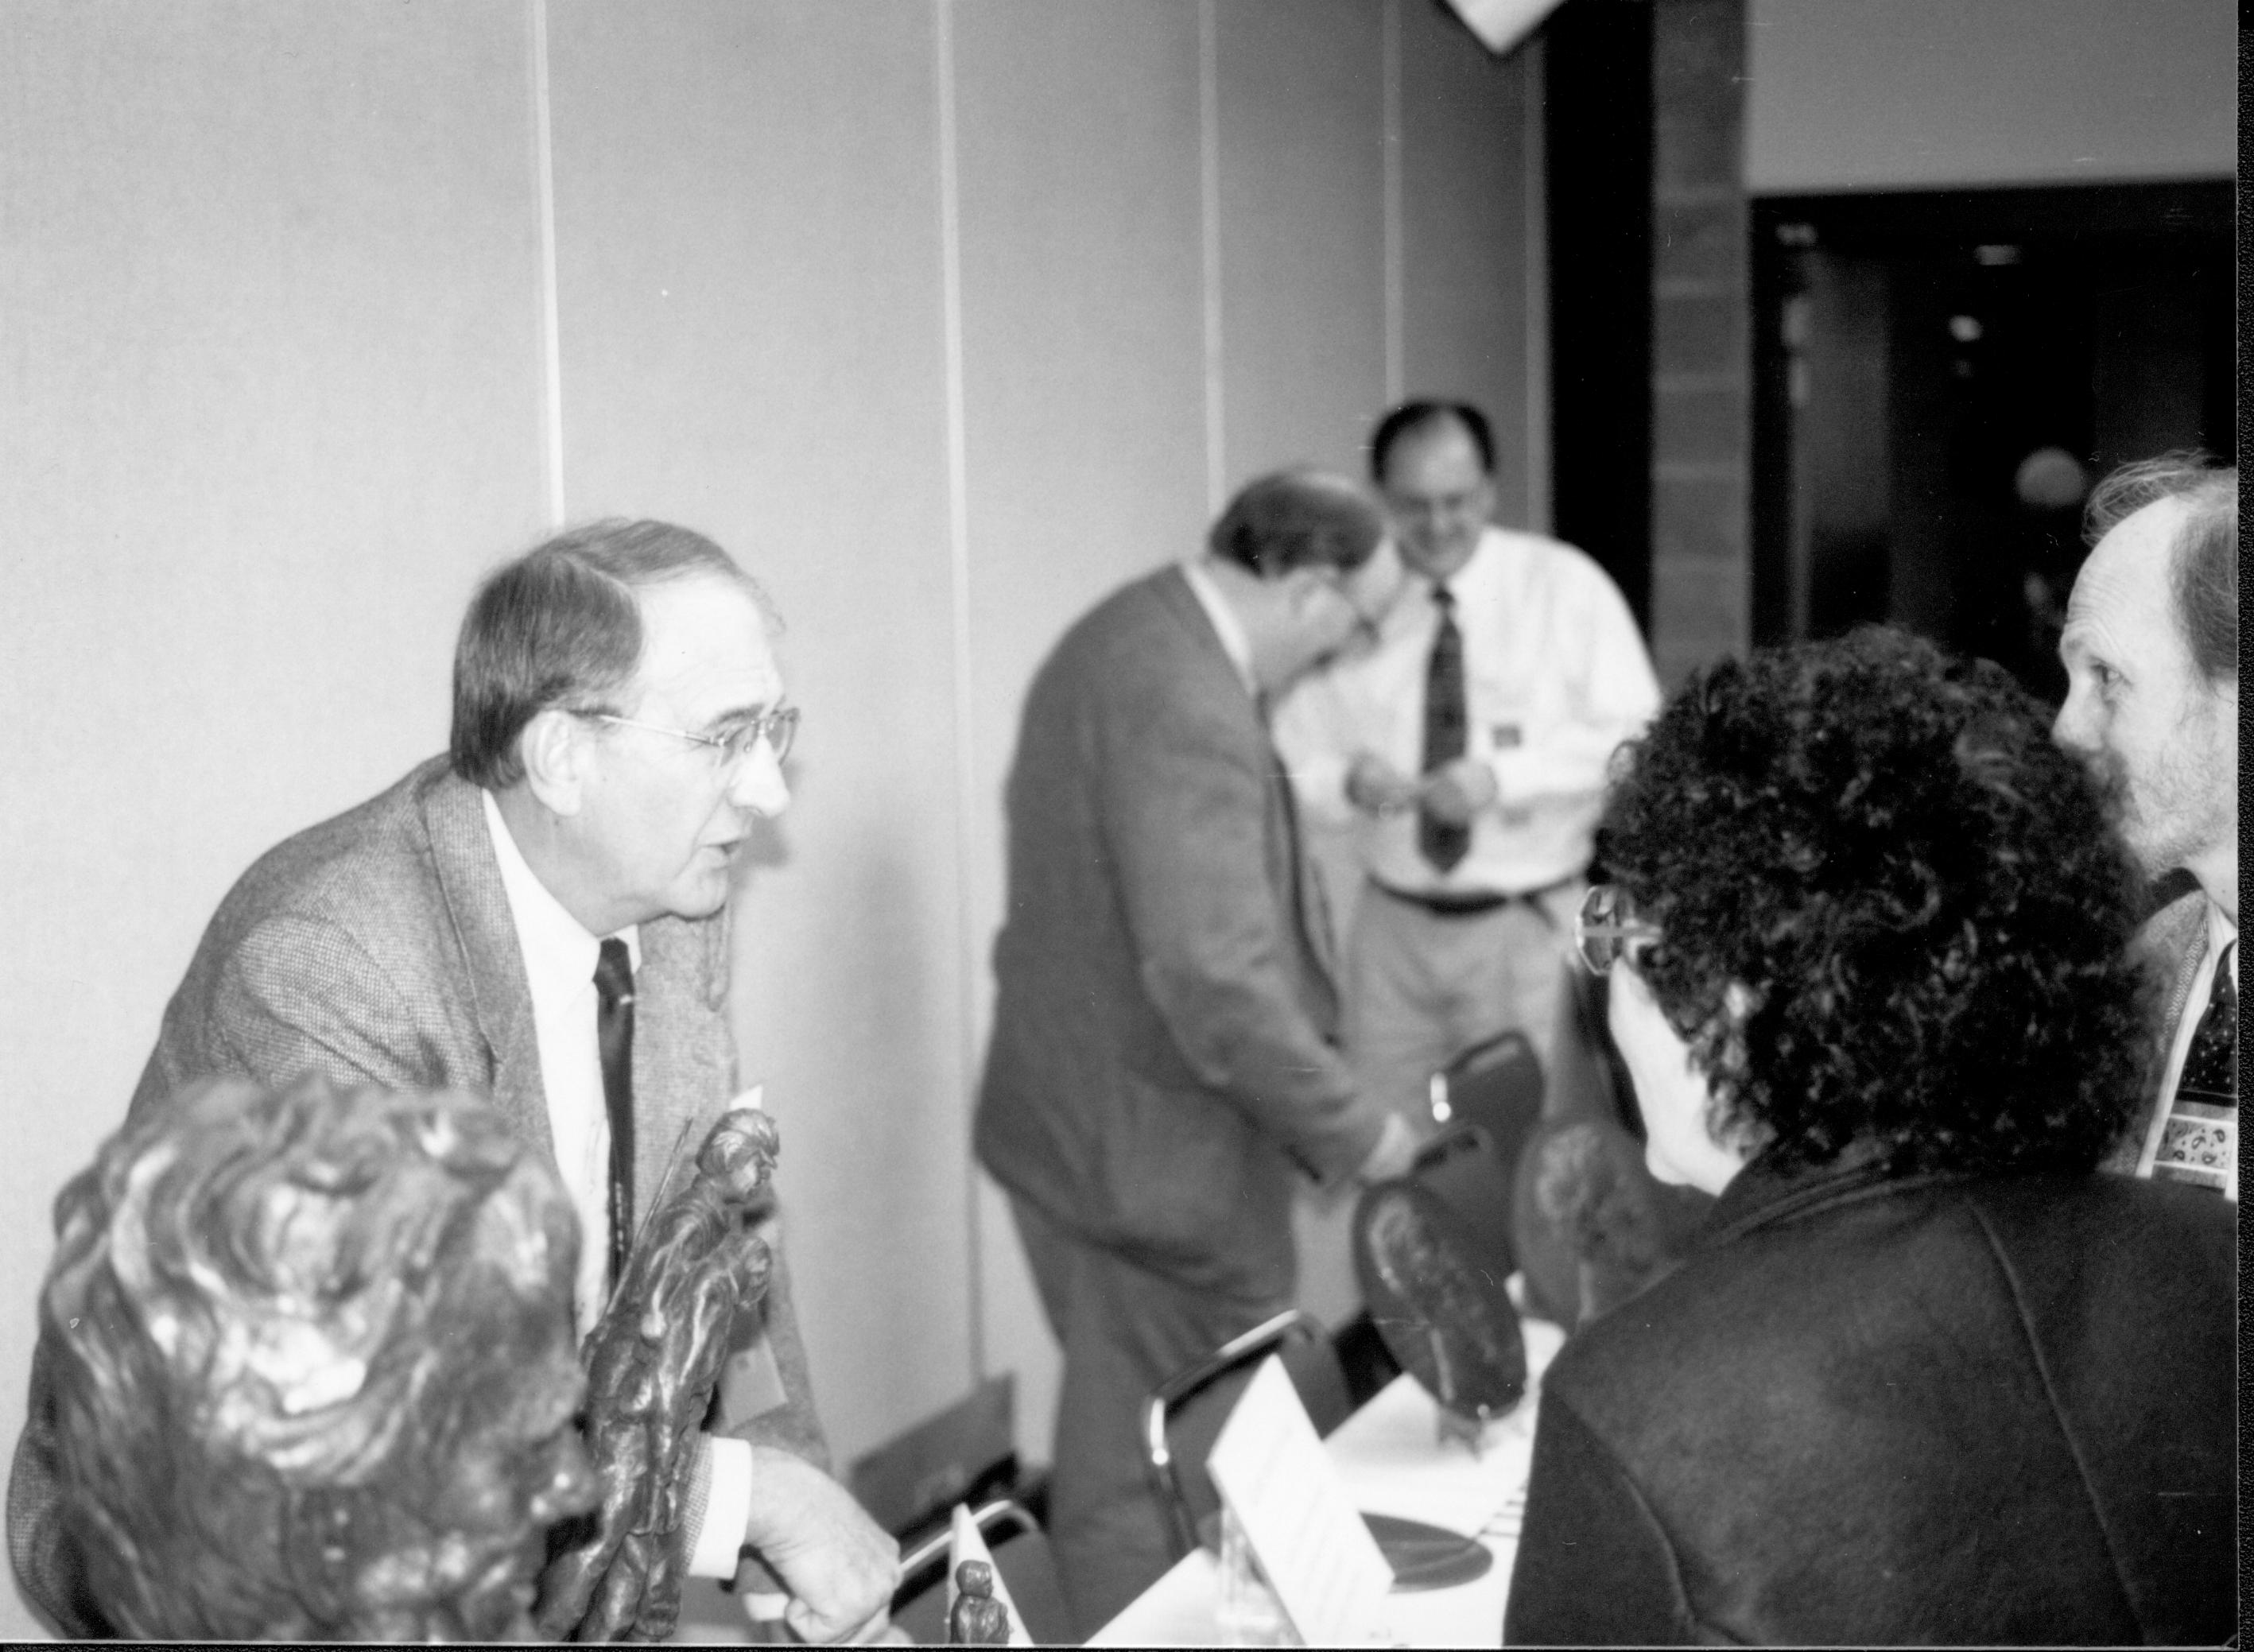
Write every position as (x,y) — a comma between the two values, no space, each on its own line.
(1124,1331)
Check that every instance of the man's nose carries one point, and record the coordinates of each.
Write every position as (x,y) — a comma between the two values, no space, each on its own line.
(2065,728)
(758,784)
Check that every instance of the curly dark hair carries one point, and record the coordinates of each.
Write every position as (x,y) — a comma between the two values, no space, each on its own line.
(1918,890)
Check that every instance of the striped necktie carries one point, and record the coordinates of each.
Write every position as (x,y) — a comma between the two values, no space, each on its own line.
(614,997)
(1447,729)
(2199,1143)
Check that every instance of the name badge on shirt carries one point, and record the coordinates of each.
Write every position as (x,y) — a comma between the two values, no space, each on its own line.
(1505,736)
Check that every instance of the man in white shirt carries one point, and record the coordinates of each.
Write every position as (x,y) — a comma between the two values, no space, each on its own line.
(2151,648)
(539,916)
(1469,751)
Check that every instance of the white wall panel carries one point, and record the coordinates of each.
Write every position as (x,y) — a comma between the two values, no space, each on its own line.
(269,394)
(748,261)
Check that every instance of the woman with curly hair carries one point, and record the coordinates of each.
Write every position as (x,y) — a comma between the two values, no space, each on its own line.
(1926,1374)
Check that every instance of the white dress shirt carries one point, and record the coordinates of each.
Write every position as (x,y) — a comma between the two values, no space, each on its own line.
(1234,643)
(559,968)
(1555,678)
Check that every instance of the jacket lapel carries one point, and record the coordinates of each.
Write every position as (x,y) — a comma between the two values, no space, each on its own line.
(500,1000)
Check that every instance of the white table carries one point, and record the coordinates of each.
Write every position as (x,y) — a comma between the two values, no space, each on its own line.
(1393,1463)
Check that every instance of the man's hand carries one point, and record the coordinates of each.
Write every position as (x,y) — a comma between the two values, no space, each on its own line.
(839,1565)
(1375,787)
(1456,793)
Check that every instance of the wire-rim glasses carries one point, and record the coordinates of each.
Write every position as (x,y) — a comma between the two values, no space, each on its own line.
(778,728)
(1604,925)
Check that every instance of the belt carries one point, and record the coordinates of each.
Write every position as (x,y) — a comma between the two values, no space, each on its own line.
(1469,903)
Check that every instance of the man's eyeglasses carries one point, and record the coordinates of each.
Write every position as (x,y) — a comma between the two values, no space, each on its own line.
(778,728)
(1604,926)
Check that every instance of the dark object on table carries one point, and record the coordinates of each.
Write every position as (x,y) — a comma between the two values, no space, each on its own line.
(1432,1251)
(1427,1556)
(313,1367)
(976,1618)
(652,1362)
(1024,1564)
(1593,1226)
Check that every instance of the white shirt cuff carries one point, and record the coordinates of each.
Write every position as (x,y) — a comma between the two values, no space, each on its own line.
(720,1538)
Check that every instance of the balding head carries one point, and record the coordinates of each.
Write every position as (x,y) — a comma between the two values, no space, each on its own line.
(2150,654)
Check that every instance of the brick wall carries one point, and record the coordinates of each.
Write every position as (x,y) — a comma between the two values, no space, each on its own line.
(1700,357)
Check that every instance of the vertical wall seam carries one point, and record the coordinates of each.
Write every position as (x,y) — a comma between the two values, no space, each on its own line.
(1536,209)
(551,334)
(1395,254)
(958,548)
(1217,437)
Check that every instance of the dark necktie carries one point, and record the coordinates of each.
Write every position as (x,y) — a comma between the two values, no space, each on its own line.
(2200,1141)
(1447,723)
(614,999)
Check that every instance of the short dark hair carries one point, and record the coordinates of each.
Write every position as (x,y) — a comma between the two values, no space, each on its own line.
(1413,419)
(1919,892)
(560,626)
(2203,568)
(272,1321)
(1298,518)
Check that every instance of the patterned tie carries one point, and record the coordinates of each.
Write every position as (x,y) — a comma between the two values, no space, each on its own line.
(614,997)
(2199,1143)
(1448,721)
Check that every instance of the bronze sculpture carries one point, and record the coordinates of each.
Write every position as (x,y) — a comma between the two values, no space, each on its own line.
(652,1362)
(314,1373)
(314,1368)
(976,1618)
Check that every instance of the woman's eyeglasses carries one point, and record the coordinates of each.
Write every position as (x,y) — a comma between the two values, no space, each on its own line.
(1604,925)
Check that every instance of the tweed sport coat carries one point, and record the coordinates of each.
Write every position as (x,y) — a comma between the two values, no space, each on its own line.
(378,948)
(1163,1050)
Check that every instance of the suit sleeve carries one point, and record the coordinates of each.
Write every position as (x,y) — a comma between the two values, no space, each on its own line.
(765,1396)
(1593,1566)
(1185,805)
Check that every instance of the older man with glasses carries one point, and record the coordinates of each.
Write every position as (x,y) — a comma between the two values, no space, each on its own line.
(504,919)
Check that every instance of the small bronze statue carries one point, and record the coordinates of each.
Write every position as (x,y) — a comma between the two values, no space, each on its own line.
(976,1618)
(1623,1230)
(652,1363)
(311,1369)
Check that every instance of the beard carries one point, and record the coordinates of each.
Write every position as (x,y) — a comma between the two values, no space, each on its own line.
(2170,808)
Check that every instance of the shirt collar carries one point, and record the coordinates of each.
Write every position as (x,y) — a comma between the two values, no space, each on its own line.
(559,953)
(1226,624)
(2221,932)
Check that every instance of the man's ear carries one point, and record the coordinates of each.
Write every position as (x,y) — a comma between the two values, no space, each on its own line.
(554,753)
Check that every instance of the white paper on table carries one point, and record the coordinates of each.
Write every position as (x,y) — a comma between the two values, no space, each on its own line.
(965,1542)
(1303,1528)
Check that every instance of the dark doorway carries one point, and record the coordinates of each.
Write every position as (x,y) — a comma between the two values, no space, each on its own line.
(1597,137)
(1940,376)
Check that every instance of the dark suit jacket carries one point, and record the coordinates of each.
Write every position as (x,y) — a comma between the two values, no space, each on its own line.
(1163,1049)
(2173,943)
(1939,1408)
(378,948)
